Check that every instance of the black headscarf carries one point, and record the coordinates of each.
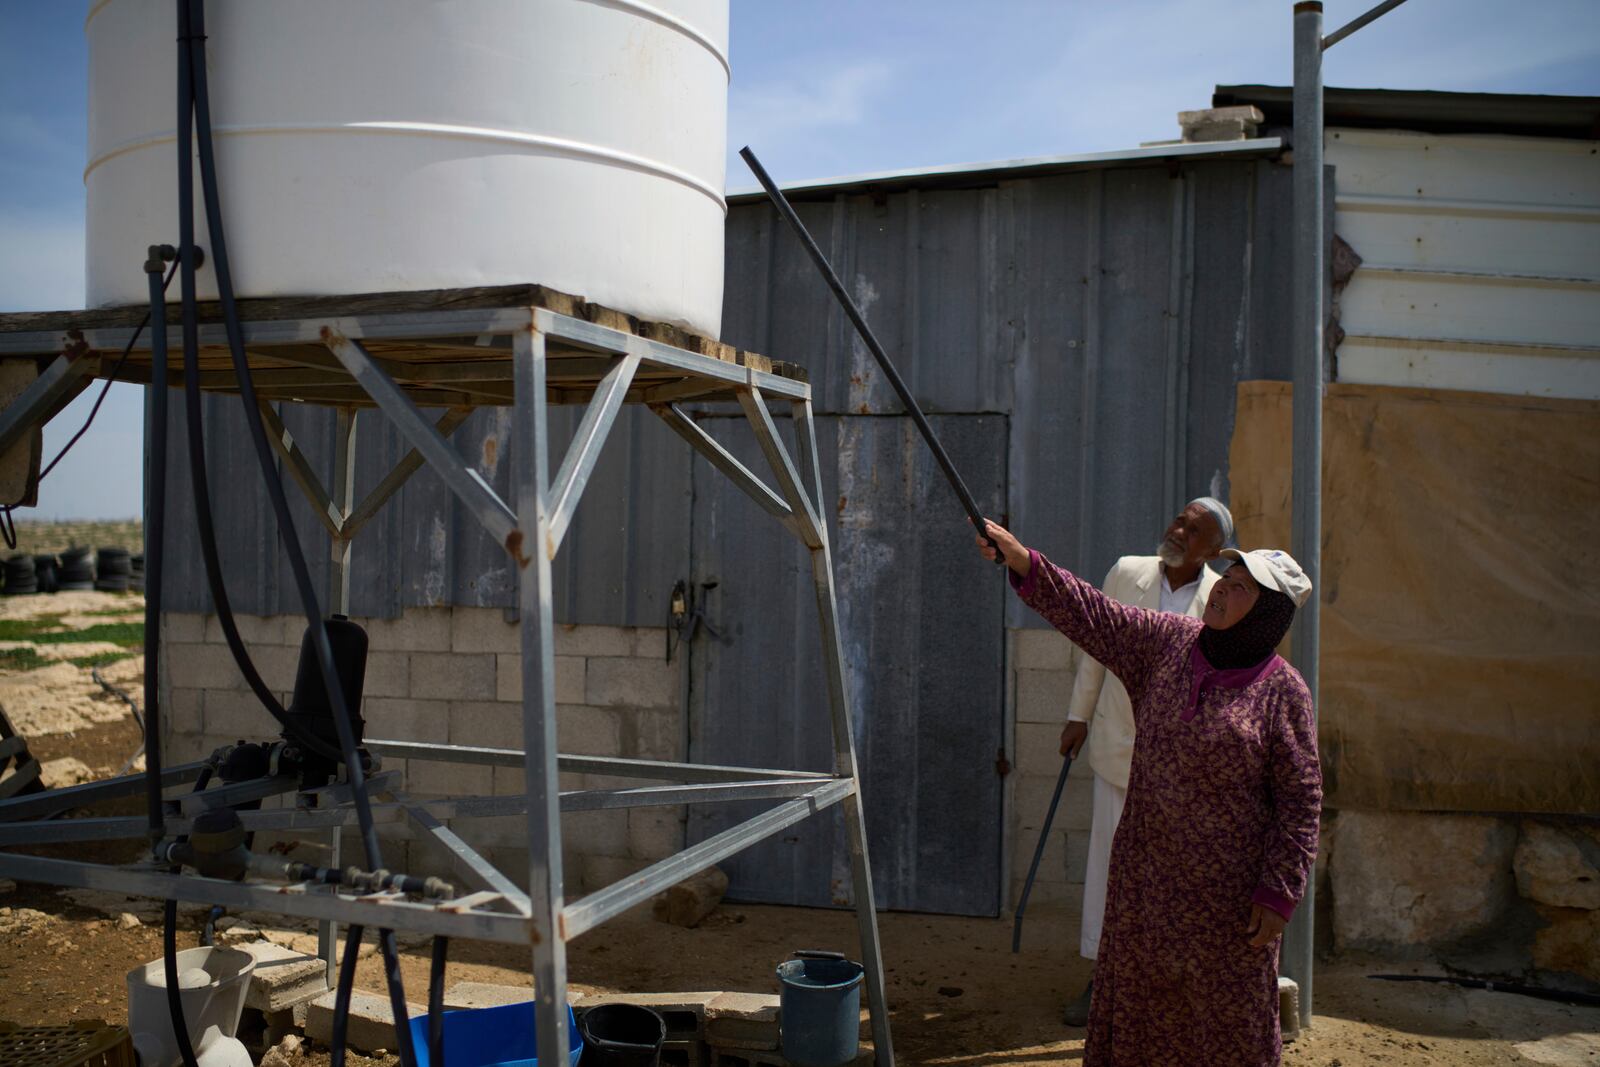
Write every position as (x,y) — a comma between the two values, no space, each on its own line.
(1253,638)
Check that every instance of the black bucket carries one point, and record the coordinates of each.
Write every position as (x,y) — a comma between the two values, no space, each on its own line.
(622,1035)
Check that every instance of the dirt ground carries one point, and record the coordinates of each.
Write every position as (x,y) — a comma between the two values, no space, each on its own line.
(956,993)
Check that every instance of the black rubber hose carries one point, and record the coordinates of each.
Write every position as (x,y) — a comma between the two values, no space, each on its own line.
(154,532)
(196,63)
(191,382)
(441,948)
(169,959)
(341,997)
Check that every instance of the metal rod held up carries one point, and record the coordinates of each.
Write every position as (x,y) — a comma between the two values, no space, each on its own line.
(1038,854)
(860,322)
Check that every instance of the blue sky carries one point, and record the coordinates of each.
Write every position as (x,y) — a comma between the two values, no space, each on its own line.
(824,88)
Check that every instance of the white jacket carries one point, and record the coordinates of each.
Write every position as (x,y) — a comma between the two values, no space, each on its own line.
(1098,697)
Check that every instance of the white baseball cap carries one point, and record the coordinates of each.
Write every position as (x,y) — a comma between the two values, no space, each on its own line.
(1273,568)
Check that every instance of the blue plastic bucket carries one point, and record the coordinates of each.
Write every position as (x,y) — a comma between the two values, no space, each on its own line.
(820,1001)
(491,1037)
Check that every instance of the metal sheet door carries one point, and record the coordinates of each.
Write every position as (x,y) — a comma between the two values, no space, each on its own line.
(922,620)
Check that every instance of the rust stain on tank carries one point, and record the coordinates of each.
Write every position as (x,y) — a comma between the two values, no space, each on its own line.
(842,500)
(491,451)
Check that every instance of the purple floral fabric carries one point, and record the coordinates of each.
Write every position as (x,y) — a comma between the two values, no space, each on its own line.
(1222,811)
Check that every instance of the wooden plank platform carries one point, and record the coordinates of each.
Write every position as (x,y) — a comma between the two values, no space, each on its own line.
(444,371)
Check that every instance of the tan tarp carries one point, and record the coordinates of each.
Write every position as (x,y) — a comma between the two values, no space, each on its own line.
(1460,591)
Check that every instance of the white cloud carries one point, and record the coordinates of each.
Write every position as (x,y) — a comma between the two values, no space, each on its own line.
(781,110)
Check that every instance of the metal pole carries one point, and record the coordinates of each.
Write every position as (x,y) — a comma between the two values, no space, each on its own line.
(1310,252)
(1356,23)
(344,473)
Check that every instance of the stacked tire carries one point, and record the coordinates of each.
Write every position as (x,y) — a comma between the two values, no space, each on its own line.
(136,572)
(113,569)
(20,579)
(76,571)
(47,570)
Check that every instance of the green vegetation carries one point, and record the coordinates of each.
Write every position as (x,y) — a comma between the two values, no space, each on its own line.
(28,629)
(21,659)
(126,634)
(101,659)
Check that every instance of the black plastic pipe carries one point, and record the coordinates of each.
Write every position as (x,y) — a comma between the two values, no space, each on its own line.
(860,322)
(1038,853)
(154,532)
(441,949)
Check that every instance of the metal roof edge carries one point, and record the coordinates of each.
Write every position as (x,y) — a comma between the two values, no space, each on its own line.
(972,174)
(1429,110)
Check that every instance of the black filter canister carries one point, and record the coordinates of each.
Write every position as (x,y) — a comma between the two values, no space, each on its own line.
(310,708)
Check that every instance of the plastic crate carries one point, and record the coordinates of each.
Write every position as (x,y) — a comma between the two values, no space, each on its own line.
(90,1043)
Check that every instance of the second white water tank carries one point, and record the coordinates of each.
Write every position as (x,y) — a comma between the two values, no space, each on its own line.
(376,145)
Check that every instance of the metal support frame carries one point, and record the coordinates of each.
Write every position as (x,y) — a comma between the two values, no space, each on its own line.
(495,909)
(1308,316)
(35,403)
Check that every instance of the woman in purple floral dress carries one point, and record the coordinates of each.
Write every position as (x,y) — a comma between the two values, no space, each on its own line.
(1220,830)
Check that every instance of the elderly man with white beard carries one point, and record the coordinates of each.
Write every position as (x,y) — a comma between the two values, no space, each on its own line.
(1175,579)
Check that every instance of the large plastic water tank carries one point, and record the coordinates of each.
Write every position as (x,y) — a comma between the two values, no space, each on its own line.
(376,145)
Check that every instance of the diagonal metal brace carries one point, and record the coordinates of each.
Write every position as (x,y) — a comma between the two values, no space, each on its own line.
(300,469)
(35,403)
(585,448)
(374,501)
(723,460)
(809,528)
(467,484)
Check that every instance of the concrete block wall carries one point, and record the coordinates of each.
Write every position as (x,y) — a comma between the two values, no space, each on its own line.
(453,676)
(1042,665)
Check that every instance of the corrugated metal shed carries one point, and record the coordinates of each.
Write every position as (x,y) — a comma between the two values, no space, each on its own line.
(1107,310)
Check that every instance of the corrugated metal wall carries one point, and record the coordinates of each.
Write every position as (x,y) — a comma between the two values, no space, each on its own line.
(1481,261)
(1108,313)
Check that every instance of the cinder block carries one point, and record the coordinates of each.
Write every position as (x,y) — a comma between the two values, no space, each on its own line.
(371,1023)
(236,714)
(650,642)
(483,630)
(1052,865)
(489,995)
(1042,695)
(403,719)
(416,630)
(282,977)
(1077,855)
(448,676)
(601,871)
(388,675)
(599,833)
(655,833)
(594,641)
(513,863)
(509,782)
(486,723)
(182,713)
(434,778)
(721,1057)
(1047,650)
(182,627)
(1038,748)
(745,1021)
(569,678)
(1031,801)
(588,731)
(496,830)
(652,733)
(200,666)
(684,1054)
(635,683)
(256,630)
(684,1013)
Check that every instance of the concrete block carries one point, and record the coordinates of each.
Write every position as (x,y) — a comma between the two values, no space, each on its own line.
(1044,650)
(467,995)
(496,830)
(569,679)
(256,630)
(282,977)
(627,682)
(237,714)
(599,833)
(510,782)
(371,1024)
(684,1013)
(1559,865)
(178,627)
(743,1021)
(588,731)
(652,733)
(594,641)
(1042,696)
(1568,942)
(434,778)
(597,871)
(1038,747)
(1076,860)
(487,723)
(1407,879)
(692,899)
(1031,800)
(416,630)
(684,1054)
(483,630)
(723,1057)
(1052,865)
(388,675)
(183,713)
(1238,113)
(404,719)
(655,833)
(451,676)
(513,863)
(200,666)
(650,642)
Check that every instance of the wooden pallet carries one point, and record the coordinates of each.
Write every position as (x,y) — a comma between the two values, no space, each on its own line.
(441,371)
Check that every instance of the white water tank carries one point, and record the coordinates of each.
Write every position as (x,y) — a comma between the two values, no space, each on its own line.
(377,145)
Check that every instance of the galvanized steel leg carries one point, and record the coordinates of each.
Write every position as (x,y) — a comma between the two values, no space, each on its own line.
(586,444)
(809,482)
(338,509)
(541,771)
